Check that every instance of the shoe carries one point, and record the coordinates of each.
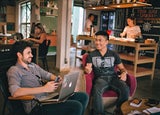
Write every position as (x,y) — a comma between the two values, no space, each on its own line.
(131,54)
(117,111)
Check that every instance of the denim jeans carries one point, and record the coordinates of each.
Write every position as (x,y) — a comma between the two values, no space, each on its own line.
(102,84)
(75,105)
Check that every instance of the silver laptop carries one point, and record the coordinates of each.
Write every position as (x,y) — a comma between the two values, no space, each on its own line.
(67,89)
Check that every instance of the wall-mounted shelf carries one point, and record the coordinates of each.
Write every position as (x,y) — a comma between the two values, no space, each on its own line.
(49,11)
(53,8)
(101,8)
(129,5)
(121,5)
(51,15)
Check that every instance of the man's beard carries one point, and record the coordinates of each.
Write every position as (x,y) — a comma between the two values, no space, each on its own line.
(27,62)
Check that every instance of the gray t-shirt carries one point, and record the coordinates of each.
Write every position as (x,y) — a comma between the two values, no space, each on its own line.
(18,77)
(103,65)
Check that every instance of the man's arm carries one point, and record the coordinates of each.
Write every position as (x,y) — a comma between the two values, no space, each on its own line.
(53,77)
(123,71)
(48,87)
(124,32)
(88,68)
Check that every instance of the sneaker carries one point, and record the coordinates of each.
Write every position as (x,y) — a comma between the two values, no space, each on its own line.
(131,54)
(117,111)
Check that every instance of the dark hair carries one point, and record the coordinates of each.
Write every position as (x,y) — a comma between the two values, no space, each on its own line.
(32,28)
(19,46)
(103,33)
(90,15)
(131,17)
(40,26)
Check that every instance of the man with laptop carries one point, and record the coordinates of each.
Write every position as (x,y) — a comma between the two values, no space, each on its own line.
(25,78)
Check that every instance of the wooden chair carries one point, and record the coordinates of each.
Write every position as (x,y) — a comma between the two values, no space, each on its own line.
(110,96)
(11,105)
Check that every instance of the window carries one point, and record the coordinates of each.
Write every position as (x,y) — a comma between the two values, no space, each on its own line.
(25,18)
(77,21)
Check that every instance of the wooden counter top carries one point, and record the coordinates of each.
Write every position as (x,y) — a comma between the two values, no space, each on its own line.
(84,37)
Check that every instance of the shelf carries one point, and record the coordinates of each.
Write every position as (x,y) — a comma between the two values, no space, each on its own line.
(51,15)
(141,59)
(101,8)
(49,11)
(129,5)
(121,5)
(136,60)
(50,8)
(141,71)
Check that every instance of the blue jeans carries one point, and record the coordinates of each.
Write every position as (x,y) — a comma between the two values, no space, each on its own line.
(101,85)
(75,105)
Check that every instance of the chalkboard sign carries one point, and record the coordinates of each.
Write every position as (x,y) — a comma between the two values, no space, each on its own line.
(148,18)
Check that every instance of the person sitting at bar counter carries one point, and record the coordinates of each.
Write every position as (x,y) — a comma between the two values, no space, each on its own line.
(24,78)
(131,31)
(103,61)
(38,34)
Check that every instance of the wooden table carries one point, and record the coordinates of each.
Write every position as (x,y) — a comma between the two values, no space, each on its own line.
(126,108)
(82,47)
(136,69)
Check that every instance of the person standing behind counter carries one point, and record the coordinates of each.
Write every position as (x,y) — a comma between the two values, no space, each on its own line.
(87,29)
(132,30)
(89,23)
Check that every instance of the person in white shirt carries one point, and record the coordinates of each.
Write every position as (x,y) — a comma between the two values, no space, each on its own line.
(89,22)
(132,30)
(87,28)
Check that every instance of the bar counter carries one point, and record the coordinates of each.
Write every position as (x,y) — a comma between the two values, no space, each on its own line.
(135,69)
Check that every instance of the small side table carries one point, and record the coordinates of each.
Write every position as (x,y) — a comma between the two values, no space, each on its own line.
(126,108)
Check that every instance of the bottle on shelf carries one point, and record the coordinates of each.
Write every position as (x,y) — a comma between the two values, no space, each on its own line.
(113,1)
(91,30)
